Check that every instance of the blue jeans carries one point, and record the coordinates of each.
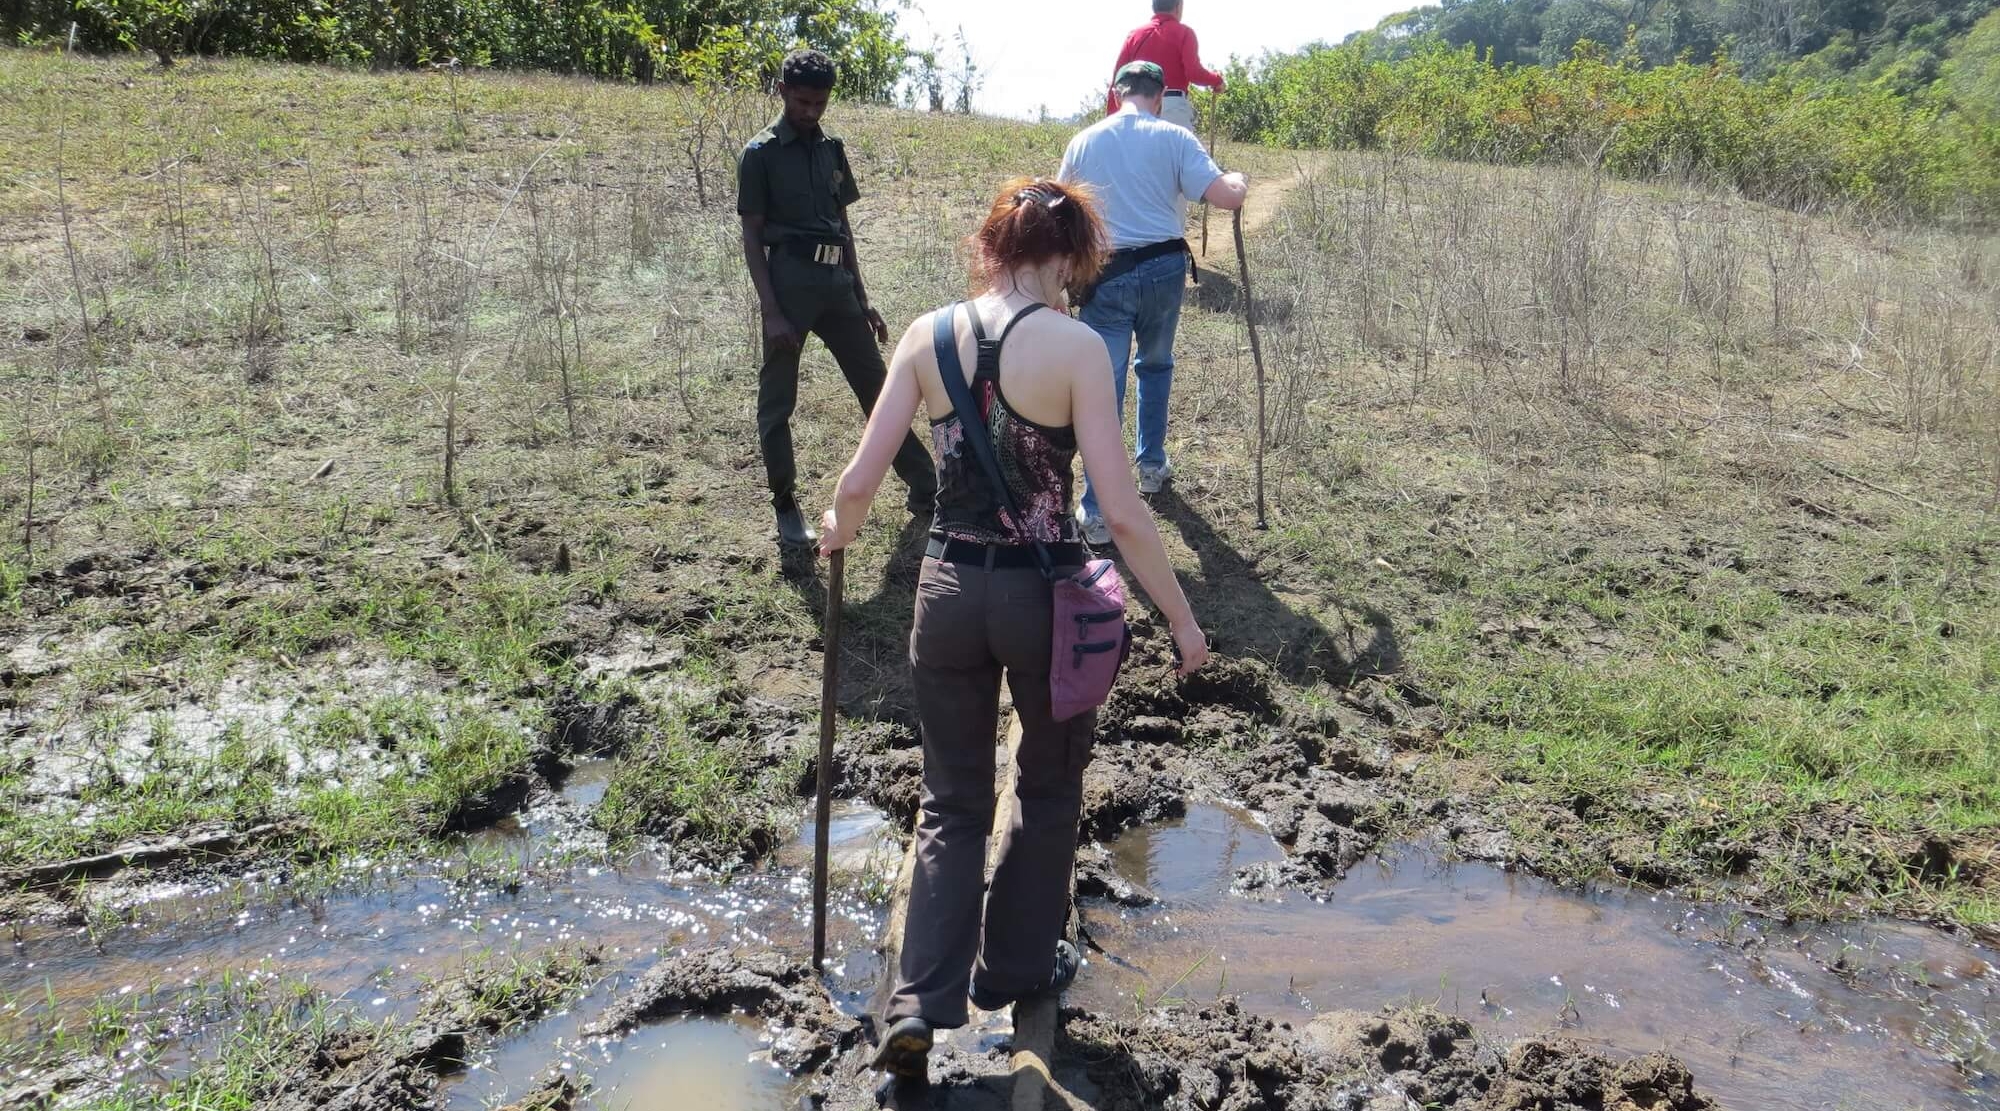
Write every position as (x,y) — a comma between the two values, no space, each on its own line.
(1145,303)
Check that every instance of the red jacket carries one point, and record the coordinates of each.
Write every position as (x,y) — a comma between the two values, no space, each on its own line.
(1168,43)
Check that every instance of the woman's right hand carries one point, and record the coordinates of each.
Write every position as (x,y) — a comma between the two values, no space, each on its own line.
(1190,647)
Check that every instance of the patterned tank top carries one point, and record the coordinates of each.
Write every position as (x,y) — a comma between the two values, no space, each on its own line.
(1037,461)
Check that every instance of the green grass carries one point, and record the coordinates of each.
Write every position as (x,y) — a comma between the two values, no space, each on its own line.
(256,1039)
(443,754)
(712,778)
(1858,728)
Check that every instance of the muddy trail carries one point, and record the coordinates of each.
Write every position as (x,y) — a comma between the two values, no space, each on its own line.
(1274,914)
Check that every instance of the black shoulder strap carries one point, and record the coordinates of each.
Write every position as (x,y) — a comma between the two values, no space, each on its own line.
(951,369)
(989,349)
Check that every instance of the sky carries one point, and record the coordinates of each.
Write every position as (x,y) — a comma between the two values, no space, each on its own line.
(1056,52)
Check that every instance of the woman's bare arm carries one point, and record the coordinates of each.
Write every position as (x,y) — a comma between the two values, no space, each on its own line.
(1101,439)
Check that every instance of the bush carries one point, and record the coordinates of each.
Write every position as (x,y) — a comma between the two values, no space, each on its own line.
(1784,138)
(620,39)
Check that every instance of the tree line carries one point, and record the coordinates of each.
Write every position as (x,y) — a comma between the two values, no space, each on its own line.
(641,40)
(1892,106)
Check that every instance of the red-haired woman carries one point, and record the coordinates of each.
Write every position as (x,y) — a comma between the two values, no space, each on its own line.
(983,609)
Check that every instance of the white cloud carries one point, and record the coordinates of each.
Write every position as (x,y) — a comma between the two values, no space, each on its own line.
(1056,53)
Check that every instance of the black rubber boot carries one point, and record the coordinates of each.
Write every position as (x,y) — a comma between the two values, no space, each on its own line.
(1068,962)
(905,1051)
(792,530)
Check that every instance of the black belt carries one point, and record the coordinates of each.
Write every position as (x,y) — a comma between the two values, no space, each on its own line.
(1124,262)
(1176,92)
(997,557)
(826,252)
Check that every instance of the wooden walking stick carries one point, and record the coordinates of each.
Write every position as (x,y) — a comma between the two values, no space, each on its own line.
(828,713)
(1257,354)
(1214,134)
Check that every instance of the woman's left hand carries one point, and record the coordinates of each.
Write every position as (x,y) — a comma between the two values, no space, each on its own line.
(832,536)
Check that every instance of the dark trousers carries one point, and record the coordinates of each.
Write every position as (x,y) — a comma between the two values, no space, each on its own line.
(973,626)
(820,300)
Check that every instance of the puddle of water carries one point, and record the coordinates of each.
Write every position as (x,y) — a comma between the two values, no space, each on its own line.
(1829,1017)
(715,1064)
(586,783)
(860,842)
(711,1064)
(374,945)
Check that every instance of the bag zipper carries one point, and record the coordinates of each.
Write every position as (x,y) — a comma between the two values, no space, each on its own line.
(1095,648)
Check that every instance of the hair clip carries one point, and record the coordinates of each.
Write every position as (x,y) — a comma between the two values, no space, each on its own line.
(1041,193)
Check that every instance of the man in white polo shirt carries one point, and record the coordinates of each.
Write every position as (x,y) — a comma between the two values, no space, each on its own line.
(1145,172)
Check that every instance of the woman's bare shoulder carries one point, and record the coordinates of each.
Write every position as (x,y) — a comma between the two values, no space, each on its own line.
(1071,341)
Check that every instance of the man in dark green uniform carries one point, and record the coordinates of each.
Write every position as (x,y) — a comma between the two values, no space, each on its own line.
(793,189)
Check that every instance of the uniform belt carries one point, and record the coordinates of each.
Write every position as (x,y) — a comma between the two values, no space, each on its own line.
(1009,557)
(824,252)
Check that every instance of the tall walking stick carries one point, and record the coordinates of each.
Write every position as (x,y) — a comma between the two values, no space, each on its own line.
(1214,134)
(1256,353)
(828,712)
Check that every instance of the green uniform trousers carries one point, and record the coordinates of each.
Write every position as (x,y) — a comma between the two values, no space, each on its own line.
(820,300)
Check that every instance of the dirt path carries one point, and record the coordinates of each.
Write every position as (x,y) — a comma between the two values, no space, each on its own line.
(1270,187)
(1268,195)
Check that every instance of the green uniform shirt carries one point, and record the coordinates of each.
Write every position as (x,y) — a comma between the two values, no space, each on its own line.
(799,185)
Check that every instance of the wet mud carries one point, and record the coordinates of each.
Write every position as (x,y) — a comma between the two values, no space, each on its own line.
(715,982)
(374,947)
(1260,875)
(1324,779)
(1223,1057)
(1810,1017)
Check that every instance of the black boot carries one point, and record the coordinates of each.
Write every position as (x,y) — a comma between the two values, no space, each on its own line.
(792,530)
(905,1050)
(1068,963)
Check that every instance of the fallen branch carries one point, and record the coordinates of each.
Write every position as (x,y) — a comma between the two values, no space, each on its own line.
(147,855)
(1865,484)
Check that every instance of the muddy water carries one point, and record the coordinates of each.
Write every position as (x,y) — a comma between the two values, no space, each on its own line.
(374,944)
(1770,1018)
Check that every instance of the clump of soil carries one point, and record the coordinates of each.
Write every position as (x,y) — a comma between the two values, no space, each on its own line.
(715,780)
(399,1067)
(68,1084)
(1097,877)
(350,1071)
(286,1061)
(809,1029)
(881,763)
(1351,1061)
(557,1093)
(1223,1059)
(720,781)
(1321,777)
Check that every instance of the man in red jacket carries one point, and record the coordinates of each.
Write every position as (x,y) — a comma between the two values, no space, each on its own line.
(1170,44)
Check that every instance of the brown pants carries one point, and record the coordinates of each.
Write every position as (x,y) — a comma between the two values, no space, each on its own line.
(972,625)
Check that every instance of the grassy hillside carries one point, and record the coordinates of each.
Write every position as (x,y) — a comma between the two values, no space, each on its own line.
(1649,529)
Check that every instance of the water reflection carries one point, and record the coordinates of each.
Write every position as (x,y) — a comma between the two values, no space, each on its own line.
(1843,1017)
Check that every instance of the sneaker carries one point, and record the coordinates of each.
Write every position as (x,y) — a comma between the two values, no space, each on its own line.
(905,1050)
(1068,963)
(1152,480)
(1095,531)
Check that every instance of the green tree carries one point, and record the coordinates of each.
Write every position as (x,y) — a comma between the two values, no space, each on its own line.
(1569,22)
(1972,76)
